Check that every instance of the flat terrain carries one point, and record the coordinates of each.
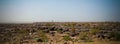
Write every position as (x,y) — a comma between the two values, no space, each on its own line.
(60,33)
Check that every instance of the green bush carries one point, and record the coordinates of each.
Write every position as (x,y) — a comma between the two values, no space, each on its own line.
(67,38)
(85,36)
(43,36)
(58,30)
(115,35)
(94,31)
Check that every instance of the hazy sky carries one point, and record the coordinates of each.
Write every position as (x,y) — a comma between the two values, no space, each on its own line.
(18,11)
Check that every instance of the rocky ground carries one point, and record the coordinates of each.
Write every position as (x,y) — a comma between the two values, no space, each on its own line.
(60,33)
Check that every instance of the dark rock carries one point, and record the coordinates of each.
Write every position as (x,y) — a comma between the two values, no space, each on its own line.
(74,34)
(39,40)
(65,43)
(52,29)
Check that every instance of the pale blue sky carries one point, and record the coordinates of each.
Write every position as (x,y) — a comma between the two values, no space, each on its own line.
(18,11)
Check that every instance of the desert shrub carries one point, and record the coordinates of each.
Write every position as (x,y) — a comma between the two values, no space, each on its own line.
(94,31)
(42,36)
(59,31)
(85,36)
(115,35)
(67,38)
(74,40)
(72,25)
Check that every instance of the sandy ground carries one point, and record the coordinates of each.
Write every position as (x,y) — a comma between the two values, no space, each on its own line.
(97,42)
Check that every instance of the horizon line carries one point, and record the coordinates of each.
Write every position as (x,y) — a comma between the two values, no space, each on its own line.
(53,22)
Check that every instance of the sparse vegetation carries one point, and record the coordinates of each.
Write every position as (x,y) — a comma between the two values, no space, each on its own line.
(58,32)
(85,36)
(94,31)
(42,36)
(115,36)
(67,38)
